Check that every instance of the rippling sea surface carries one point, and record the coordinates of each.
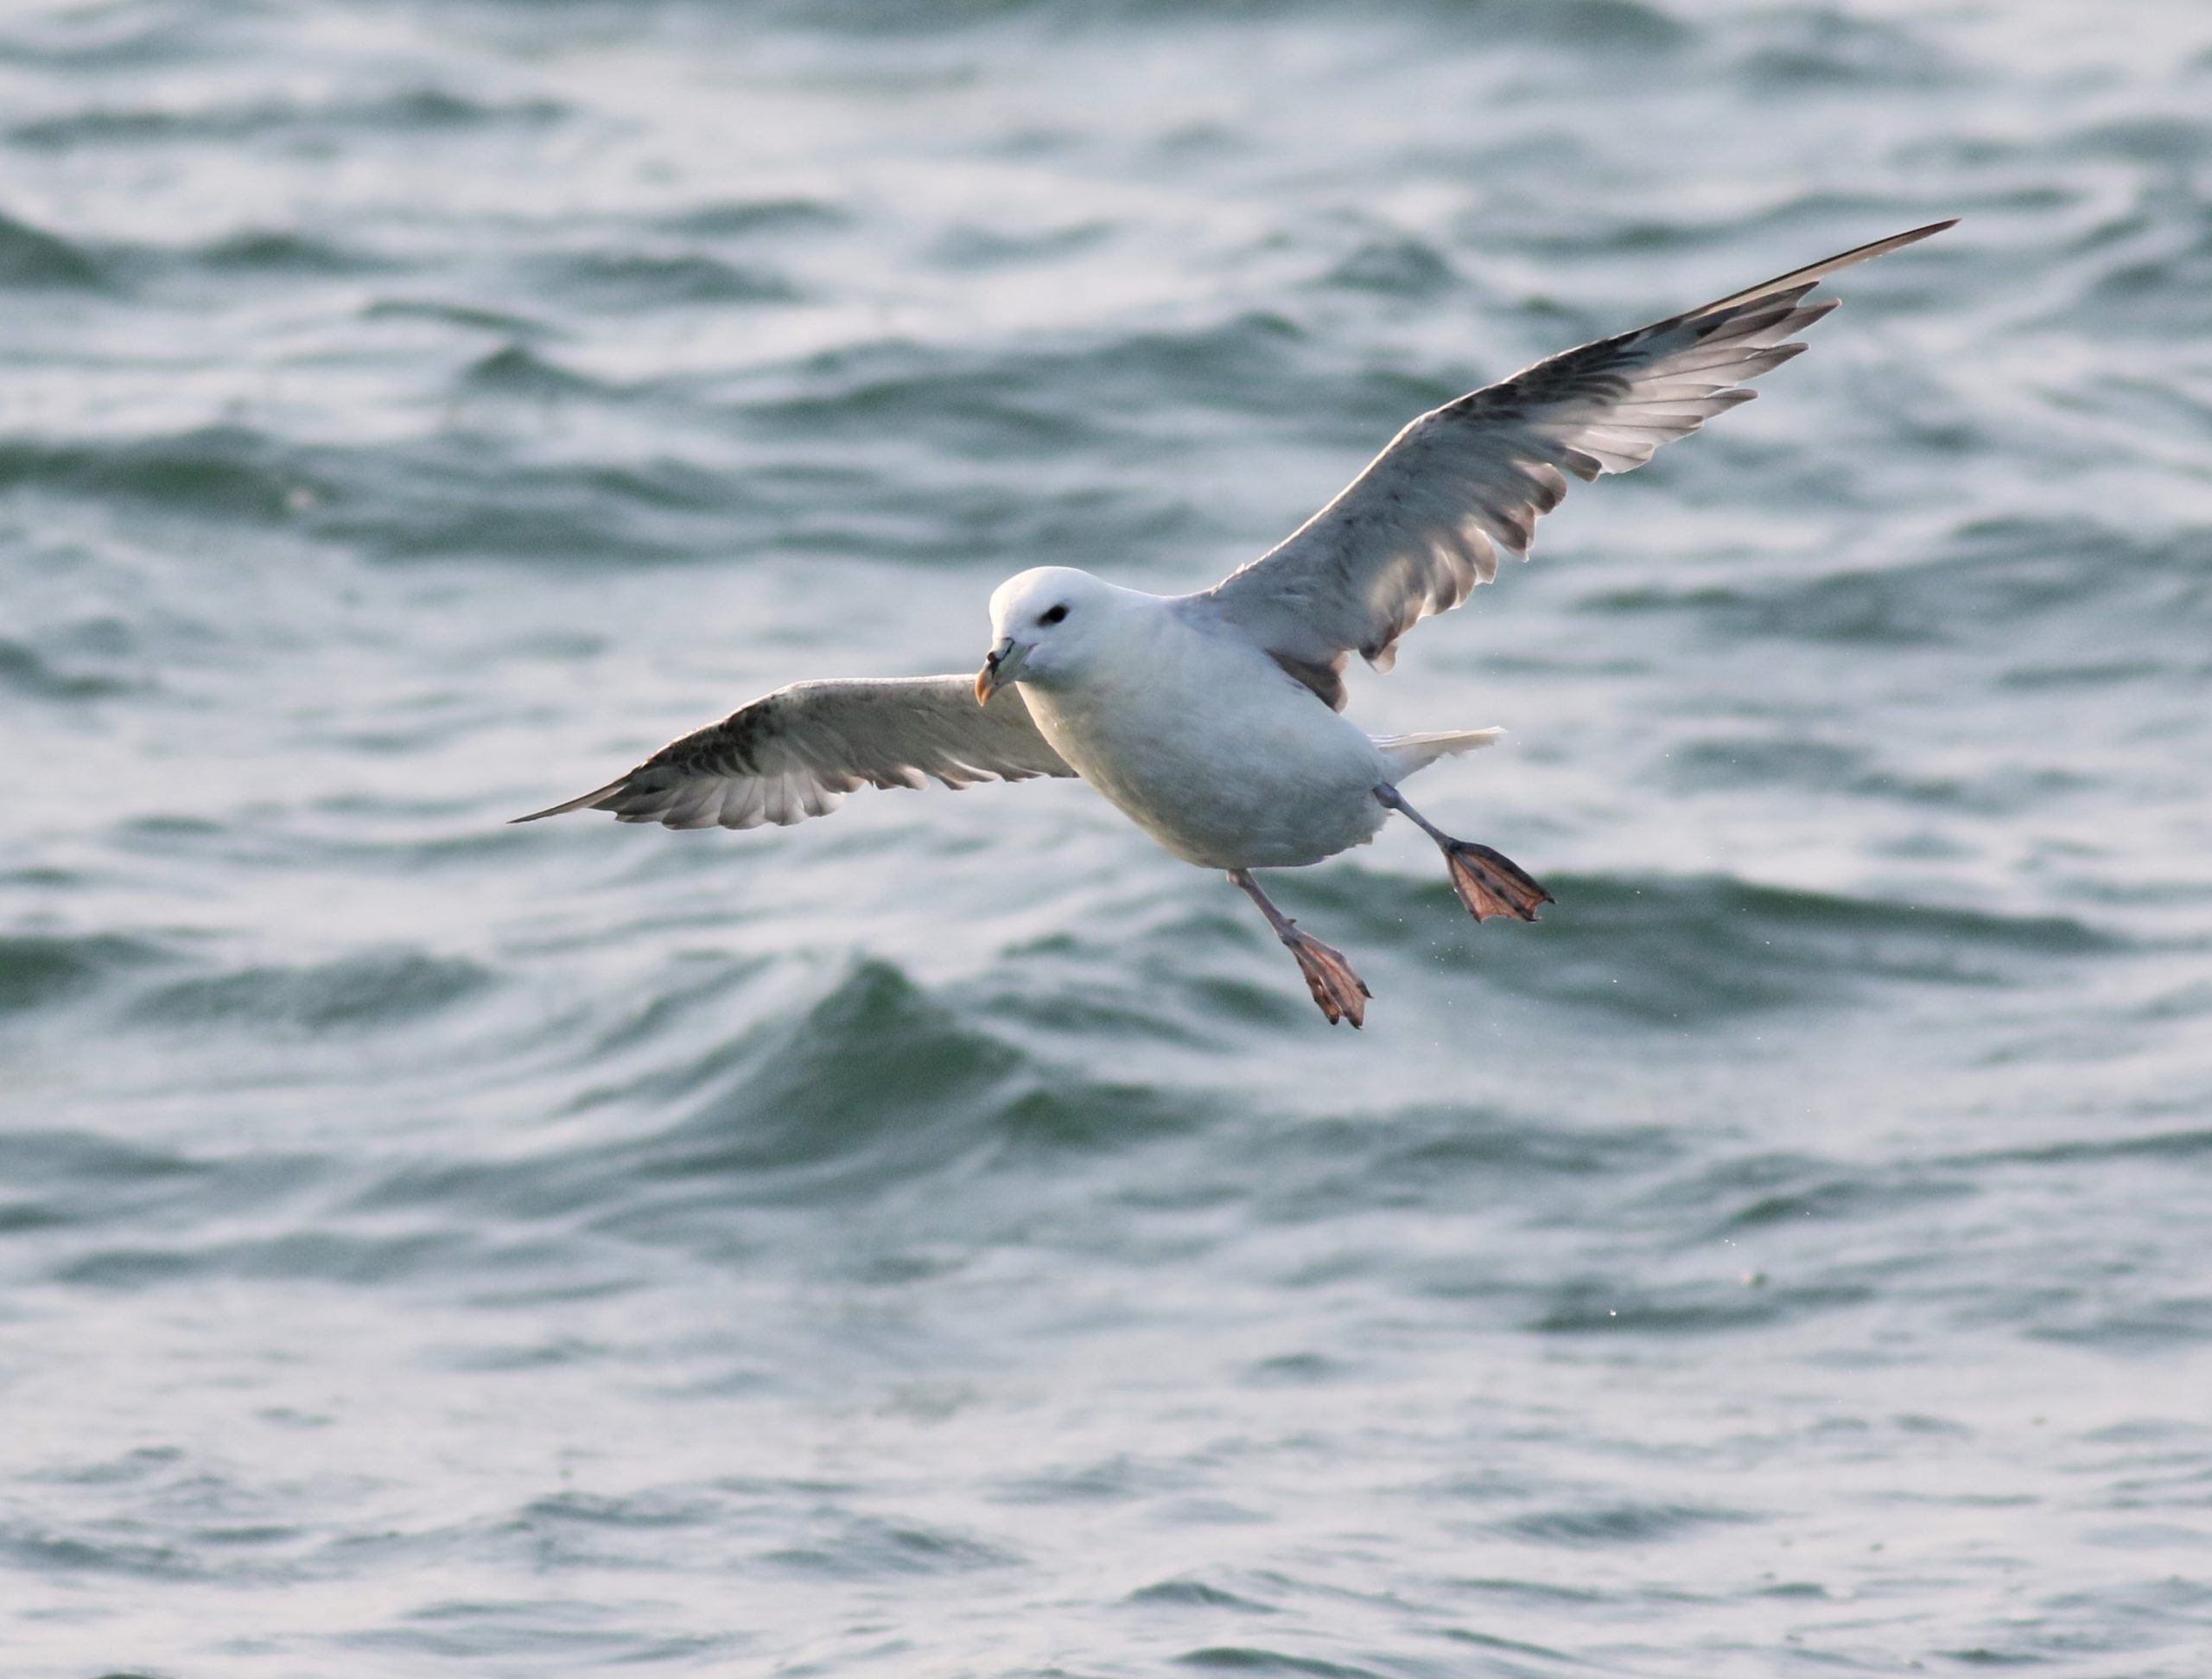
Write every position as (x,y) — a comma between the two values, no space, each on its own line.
(945,1240)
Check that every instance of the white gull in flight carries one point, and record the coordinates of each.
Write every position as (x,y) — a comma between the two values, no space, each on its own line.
(1214,720)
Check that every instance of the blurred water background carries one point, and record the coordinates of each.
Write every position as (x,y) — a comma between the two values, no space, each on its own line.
(945,1240)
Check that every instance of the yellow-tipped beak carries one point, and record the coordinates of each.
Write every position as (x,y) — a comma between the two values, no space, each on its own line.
(1000,667)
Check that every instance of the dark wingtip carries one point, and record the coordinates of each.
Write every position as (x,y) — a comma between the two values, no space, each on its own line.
(584,802)
(1811,275)
(1911,236)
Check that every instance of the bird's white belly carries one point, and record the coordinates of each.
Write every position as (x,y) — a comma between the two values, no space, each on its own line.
(1220,757)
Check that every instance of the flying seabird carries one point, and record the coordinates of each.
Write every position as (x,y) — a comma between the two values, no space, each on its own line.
(1214,720)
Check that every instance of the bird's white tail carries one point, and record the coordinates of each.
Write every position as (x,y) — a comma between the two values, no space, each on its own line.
(1409,752)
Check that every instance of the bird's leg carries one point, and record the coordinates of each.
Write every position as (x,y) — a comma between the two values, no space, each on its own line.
(1489,883)
(1341,992)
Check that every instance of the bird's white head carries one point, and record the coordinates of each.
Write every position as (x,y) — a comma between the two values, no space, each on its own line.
(1047,626)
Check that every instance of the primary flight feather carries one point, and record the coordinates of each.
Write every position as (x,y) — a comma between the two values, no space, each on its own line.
(1212,720)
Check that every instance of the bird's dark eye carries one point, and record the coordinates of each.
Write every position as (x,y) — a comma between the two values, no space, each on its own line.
(1054,615)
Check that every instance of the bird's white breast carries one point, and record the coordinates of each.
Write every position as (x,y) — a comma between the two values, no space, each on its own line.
(1206,744)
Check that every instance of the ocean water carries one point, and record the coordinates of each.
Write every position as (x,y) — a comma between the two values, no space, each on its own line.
(945,1240)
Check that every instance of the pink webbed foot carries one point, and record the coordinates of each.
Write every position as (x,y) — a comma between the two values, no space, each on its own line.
(1491,884)
(1341,994)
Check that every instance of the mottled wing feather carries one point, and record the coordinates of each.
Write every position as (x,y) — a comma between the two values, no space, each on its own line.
(1416,532)
(798,752)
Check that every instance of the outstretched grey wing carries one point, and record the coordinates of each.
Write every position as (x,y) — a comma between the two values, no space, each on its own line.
(1424,524)
(798,752)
